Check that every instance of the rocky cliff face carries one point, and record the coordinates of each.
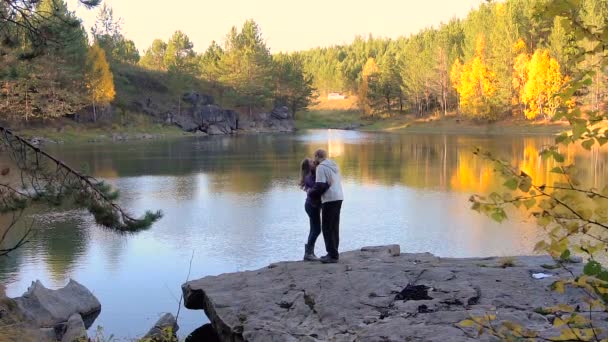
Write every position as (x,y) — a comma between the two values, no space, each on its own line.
(198,113)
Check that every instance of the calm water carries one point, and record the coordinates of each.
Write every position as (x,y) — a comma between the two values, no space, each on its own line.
(234,203)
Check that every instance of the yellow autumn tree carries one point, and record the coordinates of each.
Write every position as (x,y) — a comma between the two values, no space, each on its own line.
(475,83)
(520,73)
(369,69)
(99,79)
(455,75)
(544,82)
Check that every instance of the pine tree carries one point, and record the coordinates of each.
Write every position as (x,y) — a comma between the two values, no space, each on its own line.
(99,79)
(107,34)
(154,56)
(247,67)
(209,65)
(179,56)
(293,86)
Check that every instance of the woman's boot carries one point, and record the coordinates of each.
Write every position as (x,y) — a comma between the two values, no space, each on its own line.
(309,253)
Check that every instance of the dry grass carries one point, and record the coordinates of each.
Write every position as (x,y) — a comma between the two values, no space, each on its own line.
(348,104)
(13,327)
(506,262)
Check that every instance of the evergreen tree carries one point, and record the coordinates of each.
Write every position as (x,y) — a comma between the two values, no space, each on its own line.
(293,87)
(384,90)
(210,64)
(179,56)
(107,34)
(154,56)
(247,67)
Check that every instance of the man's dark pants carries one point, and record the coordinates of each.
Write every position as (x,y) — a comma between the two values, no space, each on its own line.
(330,225)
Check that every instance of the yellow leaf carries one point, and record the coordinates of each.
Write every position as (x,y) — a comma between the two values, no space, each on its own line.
(466,323)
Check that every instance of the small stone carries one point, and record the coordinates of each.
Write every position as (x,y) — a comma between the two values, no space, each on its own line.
(392,250)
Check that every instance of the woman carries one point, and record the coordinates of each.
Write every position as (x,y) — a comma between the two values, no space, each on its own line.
(312,207)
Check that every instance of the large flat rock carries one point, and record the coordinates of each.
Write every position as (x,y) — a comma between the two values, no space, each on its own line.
(366,297)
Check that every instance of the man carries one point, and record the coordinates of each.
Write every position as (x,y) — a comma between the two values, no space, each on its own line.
(329,186)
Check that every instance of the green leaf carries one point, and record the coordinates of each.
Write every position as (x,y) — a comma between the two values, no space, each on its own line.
(592,268)
(499,215)
(512,183)
(579,128)
(603,275)
(558,169)
(561,138)
(588,144)
(558,157)
(529,203)
(565,255)
(525,184)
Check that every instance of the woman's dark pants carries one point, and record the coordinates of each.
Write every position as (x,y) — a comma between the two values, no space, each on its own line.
(314,215)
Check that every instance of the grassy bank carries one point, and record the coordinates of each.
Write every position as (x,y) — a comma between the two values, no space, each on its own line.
(451,124)
(68,131)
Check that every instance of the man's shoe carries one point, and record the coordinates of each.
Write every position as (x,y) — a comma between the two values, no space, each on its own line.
(328,260)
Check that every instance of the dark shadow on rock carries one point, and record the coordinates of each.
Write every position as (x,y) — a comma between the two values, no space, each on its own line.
(206,333)
(414,292)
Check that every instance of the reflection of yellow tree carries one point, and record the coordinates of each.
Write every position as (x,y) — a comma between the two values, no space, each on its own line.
(471,173)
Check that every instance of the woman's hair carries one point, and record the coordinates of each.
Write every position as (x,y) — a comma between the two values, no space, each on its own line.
(305,169)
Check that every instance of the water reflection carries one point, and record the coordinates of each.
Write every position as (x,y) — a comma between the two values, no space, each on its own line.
(235,203)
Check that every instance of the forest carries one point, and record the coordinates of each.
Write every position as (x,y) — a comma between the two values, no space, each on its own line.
(503,60)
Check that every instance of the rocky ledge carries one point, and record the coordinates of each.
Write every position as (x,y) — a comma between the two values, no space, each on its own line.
(199,113)
(378,294)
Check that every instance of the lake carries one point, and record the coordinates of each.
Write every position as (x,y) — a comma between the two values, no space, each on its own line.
(232,204)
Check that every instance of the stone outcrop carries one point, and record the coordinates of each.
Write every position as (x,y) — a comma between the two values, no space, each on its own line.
(164,329)
(47,308)
(378,294)
(54,315)
(198,112)
(278,120)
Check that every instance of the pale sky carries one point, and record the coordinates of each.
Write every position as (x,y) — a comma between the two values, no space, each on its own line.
(287,25)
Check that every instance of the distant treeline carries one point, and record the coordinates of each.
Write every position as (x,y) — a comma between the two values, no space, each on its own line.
(503,59)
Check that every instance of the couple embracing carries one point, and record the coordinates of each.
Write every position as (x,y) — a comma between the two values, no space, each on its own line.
(322,182)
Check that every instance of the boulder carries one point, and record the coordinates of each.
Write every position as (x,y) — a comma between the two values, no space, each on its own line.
(280,113)
(185,122)
(378,294)
(74,329)
(48,308)
(164,329)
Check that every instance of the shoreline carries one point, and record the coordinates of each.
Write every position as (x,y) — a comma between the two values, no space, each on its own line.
(83,134)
